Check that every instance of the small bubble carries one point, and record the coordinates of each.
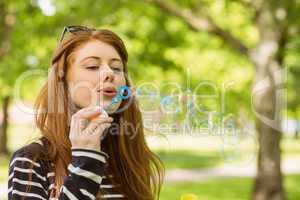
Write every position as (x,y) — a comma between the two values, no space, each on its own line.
(170,104)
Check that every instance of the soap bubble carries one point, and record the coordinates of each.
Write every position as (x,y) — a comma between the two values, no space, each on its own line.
(243,151)
(170,104)
(148,97)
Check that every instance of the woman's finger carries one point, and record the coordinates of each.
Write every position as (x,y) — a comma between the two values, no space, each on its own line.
(90,128)
(76,126)
(97,121)
(101,119)
(82,124)
(100,129)
(90,112)
(86,109)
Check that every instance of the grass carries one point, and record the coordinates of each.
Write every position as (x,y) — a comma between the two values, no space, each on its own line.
(225,189)
(186,153)
(187,159)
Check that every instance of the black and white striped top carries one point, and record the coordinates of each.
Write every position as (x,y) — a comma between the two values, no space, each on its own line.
(87,175)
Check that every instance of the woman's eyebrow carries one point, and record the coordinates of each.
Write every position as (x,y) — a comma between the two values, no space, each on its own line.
(115,59)
(94,57)
(98,58)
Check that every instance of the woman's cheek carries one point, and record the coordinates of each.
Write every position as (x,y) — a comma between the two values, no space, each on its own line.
(82,97)
(120,80)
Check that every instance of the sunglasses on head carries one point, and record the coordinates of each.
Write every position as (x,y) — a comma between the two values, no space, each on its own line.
(75,30)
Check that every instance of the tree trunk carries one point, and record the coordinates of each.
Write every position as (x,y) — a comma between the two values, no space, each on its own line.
(268,59)
(4,126)
(268,182)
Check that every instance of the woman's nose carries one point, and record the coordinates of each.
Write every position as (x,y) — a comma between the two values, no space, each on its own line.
(107,74)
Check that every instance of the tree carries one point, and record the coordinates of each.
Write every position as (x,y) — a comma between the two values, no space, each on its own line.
(275,22)
(7,21)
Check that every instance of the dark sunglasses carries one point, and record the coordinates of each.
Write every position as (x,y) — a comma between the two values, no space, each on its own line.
(75,30)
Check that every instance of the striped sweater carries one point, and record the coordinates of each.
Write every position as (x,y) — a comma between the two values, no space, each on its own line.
(34,178)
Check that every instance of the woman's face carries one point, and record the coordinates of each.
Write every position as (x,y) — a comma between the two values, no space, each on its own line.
(94,75)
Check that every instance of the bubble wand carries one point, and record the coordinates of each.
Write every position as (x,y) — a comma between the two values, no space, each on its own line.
(123,93)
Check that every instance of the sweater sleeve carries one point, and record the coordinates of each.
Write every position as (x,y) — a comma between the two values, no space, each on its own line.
(85,175)
(28,177)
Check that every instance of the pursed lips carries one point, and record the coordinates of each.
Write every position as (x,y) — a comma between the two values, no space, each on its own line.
(108,91)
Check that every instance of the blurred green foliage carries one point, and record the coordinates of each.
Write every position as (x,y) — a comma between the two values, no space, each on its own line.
(161,48)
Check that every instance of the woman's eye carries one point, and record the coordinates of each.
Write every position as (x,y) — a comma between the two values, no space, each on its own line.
(92,67)
(117,69)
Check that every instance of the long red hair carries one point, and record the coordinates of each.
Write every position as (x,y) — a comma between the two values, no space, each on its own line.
(138,170)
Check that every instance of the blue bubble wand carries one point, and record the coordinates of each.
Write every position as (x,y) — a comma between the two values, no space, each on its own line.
(123,93)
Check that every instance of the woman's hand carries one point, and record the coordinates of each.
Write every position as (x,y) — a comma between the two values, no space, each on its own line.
(87,126)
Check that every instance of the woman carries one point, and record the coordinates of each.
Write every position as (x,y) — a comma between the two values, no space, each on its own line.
(83,152)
